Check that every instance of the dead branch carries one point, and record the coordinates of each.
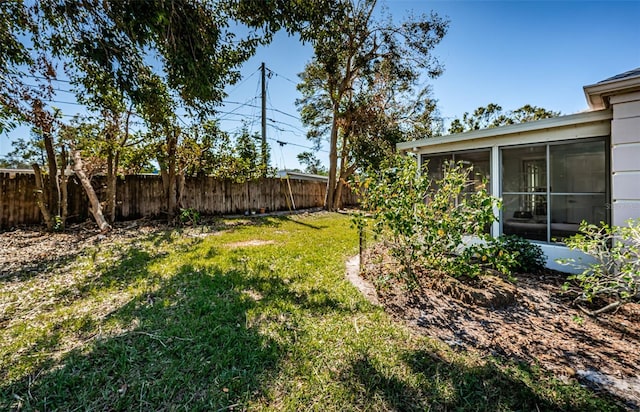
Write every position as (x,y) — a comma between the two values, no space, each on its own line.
(609,307)
(96,209)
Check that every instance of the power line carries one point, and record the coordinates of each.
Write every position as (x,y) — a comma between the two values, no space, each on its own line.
(286,124)
(42,85)
(285,113)
(273,126)
(279,141)
(284,77)
(61,102)
(223,101)
(46,78)
(241,105)
(181,119)
(233,112)
(283,143)
(269,108)
(243,81)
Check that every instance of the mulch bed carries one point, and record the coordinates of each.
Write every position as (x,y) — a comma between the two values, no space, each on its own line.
(532,320)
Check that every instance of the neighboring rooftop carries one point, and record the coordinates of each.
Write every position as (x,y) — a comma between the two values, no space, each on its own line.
(292,174)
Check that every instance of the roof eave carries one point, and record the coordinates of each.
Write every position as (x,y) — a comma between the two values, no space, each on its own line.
(598,94)
(551,123)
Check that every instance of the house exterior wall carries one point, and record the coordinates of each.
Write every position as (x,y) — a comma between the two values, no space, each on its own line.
(614,115)
(625,158)
(564,129)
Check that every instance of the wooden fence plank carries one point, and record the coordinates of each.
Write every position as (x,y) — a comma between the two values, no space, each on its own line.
(143,196)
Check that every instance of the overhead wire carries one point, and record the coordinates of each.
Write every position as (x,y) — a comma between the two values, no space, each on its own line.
(32,76)
(284,142)
(243,81)
(254,115)
(284,113)
(241,105)
(233,112)
(54,89)
(280,129)
(284,77)
(268,108)
(286,124)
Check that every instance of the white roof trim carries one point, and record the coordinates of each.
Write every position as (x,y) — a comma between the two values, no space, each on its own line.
(597,94)
(536,126)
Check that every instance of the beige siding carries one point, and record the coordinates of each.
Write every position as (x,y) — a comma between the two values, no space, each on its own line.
(625,158)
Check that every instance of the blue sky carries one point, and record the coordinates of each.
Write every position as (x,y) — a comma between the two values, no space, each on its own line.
(506,52)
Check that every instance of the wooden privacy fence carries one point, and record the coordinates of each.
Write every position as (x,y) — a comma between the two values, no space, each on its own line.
(143,196)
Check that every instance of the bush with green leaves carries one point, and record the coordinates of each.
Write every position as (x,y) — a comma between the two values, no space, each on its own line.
(616,251)
(422,225)
(513,254)
(189,217)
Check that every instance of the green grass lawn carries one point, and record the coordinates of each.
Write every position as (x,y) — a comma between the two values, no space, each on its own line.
(258,316)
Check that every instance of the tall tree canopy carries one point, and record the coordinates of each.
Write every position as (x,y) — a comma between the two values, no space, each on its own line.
(147,57)
(493,116)
(364,89)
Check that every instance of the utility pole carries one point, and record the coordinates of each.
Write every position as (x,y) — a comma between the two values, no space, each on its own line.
(264,119)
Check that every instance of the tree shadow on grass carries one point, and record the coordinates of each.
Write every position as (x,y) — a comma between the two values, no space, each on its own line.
(491,384)
(185,344)
(369,383)
(315,300)
(33,268)
(301,223)
(90,244)
(275,221)
(451,385)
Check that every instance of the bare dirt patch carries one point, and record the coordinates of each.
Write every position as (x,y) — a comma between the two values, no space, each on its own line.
(531,321)
(364,286)
(253,242)
(29,249)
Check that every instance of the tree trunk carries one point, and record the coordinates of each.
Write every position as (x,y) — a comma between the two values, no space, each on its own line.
(64,179)
(165,176)
(337,201)
(116,166)
(180,189)
(114,146)
(113,163)
(329,202)
(95,209)
(41,198)
(54,189)
(110,205)
(172,143)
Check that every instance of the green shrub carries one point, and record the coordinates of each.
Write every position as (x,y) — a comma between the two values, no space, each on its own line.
(513,254)
(616,250)
(189,217)
(423,226)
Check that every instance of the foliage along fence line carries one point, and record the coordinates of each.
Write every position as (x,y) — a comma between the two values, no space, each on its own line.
(143,196)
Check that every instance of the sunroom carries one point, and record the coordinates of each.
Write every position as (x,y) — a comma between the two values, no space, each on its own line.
(554,173)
